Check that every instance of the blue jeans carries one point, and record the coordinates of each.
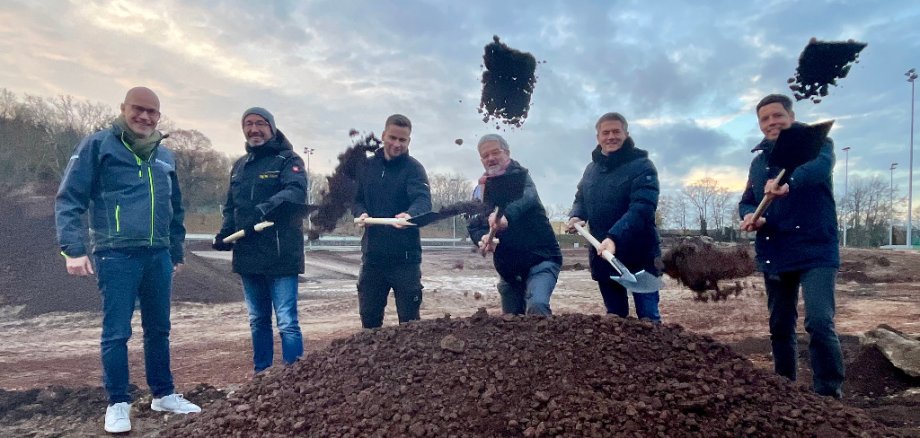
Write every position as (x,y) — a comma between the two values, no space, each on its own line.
(824,346)
(126,276)
(616,300)
(264,293)
(530,295)
(374,284)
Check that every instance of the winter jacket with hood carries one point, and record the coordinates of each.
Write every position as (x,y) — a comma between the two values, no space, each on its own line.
(529,238)
(268,183)
(800,231)
(385,189)
(132,202)
(618,196)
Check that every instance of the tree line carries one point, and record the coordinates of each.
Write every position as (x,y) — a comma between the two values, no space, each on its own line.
(38,135)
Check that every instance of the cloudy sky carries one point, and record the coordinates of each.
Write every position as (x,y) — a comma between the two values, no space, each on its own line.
(686,74)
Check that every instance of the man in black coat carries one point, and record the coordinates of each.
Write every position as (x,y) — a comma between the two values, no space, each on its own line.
(267,184)
(527,258)
(392,184)
(796,247)
(617,196)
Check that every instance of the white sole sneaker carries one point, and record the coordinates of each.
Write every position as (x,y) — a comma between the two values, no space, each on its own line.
(118,418)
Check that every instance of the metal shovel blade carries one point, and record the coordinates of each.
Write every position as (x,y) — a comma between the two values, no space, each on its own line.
(642,282)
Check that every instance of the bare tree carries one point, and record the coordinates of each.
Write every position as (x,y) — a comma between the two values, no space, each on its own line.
(701,194)
(204,173)
(449,189)
(868,209)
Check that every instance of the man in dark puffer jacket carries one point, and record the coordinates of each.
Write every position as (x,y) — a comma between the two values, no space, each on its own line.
(796,248)
(527,258)
(268,183)
(392,184)
(617,196)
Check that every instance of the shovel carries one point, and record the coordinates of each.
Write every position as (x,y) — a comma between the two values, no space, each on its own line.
(500,191)
(285,208)
(417,221)
(242,233)
(641,283)
(794,147)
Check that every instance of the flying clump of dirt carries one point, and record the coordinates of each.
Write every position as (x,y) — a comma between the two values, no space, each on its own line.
(699,265)
(337,198)
(821,64)
(507,84)
(488,376)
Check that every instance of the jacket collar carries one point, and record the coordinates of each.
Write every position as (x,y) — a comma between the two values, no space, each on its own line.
(628,152)
(273,146)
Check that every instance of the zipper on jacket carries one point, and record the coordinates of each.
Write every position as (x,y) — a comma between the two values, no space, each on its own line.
(277,242)
(117,217)
(140,174)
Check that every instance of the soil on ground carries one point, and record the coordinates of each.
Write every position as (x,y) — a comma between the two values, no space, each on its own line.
(49,360)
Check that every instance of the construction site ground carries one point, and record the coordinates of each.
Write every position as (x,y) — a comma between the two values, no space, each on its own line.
(50,372)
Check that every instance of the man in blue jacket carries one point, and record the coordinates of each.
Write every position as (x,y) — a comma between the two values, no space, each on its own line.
(796,247)
(617,196)
(128,184)
(268,183)
(392,184)
(528,258)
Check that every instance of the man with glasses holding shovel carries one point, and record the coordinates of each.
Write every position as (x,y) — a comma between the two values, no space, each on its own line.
(527,256)
(269,183)
(617,196)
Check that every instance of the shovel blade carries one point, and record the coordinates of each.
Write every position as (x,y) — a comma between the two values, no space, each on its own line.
(641,283)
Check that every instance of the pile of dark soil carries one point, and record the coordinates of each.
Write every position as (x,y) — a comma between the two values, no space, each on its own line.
(507,83)
(821,64)
(699,265)
(32,272)
(570,375)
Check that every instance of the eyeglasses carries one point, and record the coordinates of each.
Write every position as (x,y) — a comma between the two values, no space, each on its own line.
(152,112)
(259,124)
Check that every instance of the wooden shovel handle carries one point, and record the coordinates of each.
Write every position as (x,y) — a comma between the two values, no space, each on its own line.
(596,244)
(767,199)
(482,250)
(384,221)
(241,233)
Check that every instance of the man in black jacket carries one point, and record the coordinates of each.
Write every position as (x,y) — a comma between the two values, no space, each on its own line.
(527,258)
(267,184)
(392,184)
(796,247)
(617,196)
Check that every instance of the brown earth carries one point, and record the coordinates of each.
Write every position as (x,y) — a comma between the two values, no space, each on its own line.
(211,350)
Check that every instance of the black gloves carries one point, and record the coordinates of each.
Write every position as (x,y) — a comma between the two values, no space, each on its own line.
(219,245)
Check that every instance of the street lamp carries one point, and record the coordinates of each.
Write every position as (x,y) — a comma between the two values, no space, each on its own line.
(846,176)
(309,151)
(911,77)
(891,206)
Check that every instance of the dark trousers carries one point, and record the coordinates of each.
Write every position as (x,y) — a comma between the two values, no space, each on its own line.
(616,300)
(374,284)
(824,347)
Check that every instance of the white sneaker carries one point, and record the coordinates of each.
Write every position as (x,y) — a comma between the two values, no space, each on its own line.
(174,403)
(118,418)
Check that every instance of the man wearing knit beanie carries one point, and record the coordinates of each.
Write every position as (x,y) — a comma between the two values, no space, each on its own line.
(267,184)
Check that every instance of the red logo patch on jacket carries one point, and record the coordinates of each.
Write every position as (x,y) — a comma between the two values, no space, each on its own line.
(296,169)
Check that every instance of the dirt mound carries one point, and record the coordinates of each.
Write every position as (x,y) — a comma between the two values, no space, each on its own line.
(32,273)
(699,265)
(570,375)
(868,266)
(871,374)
